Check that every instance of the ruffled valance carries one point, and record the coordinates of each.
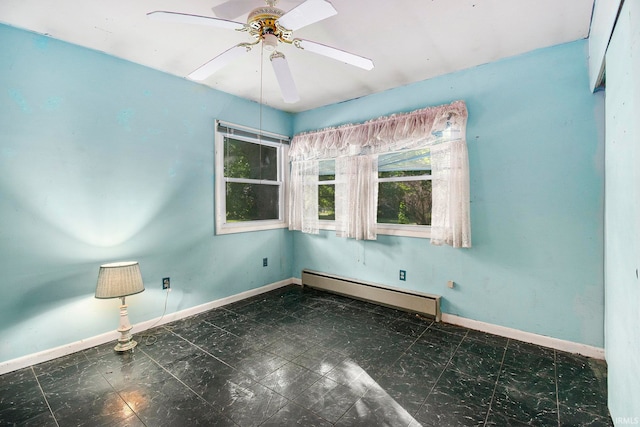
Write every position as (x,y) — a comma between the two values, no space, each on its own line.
(390,133)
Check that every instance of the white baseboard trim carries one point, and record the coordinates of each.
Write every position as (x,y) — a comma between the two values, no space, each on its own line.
(516,334)
(50,354)
(63,350)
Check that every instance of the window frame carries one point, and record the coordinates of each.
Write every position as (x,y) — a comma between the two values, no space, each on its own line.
(403,230)
(221,224)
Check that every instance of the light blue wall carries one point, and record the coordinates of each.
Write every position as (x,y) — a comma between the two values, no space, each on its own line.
(104,160)
(535,140)
(622,224)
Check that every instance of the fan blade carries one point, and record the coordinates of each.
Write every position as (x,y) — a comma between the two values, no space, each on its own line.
(307,13)
(219,61)
(231,9)
(285,79)
(332,52)
(183,18)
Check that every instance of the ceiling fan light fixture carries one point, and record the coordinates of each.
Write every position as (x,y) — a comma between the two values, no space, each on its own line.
(269,42)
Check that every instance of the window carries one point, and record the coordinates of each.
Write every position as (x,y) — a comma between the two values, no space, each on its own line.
(417,162)
(250,182)
(404,193)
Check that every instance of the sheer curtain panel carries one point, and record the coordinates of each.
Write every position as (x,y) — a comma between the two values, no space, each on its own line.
(303,196)
(356,197)
(450,217)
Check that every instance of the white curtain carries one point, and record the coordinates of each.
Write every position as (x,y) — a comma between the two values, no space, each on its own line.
(303,196)
(355,148)
(356,197)
(450,217)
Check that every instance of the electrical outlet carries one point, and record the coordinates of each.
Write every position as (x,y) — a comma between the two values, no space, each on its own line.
(403,275)
(265,262)
(450,284)
(166,283)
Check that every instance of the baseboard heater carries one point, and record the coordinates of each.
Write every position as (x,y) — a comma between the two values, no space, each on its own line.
(383,295)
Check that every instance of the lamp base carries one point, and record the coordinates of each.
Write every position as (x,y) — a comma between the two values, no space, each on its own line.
(125,346)
(125,342)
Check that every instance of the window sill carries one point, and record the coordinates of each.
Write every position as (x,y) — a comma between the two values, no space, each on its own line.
(419,231)
(245,227)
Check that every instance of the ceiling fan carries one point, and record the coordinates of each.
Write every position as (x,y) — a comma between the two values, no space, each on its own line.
(270,26)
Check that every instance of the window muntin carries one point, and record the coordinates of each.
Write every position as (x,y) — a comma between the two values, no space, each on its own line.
(250,184)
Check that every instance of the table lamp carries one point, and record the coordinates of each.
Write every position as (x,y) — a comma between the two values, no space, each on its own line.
(118,280)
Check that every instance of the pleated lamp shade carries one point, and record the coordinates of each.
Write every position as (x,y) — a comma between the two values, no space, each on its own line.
(119,279)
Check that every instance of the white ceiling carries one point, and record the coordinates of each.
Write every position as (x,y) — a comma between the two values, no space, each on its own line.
(408,40)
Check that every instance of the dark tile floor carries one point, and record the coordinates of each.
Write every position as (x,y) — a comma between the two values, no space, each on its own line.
(303,357)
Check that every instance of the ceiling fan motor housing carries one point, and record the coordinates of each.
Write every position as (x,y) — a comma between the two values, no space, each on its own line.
(263,24)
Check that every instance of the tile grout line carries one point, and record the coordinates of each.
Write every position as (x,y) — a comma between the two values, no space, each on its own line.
(219,411)
(320,344)
(257,381)
(113,388)
(495,387)
(291,401)
(44,396)
(194,345)
(434,384)
(182,382)
(414,341)
(443,369)
(555,371)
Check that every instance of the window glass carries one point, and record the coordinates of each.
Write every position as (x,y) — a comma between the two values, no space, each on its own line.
(252,202)
(327,168)
(249,160)
(327,202)
(405,160)
(404,202)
